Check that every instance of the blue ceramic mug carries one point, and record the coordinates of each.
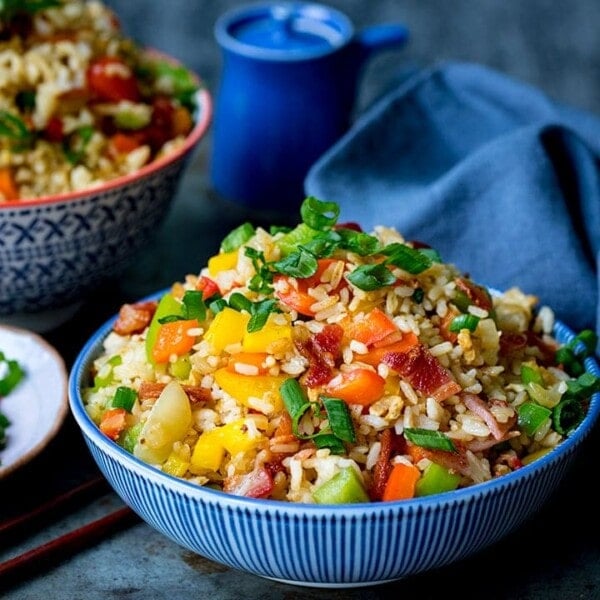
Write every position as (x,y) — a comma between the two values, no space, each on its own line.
(287,90)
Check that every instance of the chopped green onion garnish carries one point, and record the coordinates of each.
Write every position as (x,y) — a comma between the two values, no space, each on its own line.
(301,235)
(124,397)
(300,264)
(371,277)
(236,238)
(532,416)
(75,146)
(408,259)
(466,321)
(329,440)
(427,438)
(339,418)
(340,423)
(11,374)
(358,242)
(217,305)
(193,305)
(319,215)
(260,312)
(567,415)
(239,302)
(15,129)
(530,373)
(4,424)
(294,400)
(418,295)
(461,301)
(582,387)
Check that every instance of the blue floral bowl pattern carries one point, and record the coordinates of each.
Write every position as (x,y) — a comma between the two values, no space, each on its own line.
(53,251)
(327,546)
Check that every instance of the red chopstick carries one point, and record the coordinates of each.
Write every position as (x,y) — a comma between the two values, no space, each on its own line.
(86,491)
(67,544)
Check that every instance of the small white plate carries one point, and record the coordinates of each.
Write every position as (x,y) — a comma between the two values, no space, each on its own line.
(36,408)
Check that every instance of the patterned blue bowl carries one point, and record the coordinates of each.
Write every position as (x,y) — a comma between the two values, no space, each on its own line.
(55,250)
(327,546)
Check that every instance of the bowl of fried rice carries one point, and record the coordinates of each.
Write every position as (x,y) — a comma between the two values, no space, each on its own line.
(95,135)
(329,407)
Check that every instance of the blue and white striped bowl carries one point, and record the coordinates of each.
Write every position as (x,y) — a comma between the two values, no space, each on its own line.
(327,546)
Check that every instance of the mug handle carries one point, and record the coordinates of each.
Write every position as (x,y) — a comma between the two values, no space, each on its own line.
(380,37)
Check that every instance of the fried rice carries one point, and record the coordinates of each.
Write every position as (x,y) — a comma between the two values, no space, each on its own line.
(80,103)
(298,360)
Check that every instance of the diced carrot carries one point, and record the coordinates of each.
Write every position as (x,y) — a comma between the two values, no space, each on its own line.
(359,386)
(113,422)
(374,356)
(8,187)
(244,362)
(174,338)
(121,143)
(374,327)
(294,292)
(401,482)
(182,121)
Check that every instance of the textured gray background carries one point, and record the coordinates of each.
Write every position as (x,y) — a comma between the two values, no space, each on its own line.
(552,44)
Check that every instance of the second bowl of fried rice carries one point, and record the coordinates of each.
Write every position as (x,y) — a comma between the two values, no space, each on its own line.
(95,134)
(319,395)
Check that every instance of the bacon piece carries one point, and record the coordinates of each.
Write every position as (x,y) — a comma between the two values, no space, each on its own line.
(476,405)
(477,294)
(149,390)
(134,318)
(256,484)
(423,371)
(481,445)
(322,350)
(456,462)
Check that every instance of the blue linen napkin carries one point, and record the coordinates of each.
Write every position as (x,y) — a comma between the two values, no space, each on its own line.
(501,180)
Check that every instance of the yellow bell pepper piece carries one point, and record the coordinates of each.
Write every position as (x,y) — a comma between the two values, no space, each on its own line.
(262,340)
(243,387)
(236,437)
(210,448)
(227,328)
(208,452)
(175,465)
(222,262)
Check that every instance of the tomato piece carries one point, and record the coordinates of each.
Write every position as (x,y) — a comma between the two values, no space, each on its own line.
(294,292)
(111,80)
(207,286)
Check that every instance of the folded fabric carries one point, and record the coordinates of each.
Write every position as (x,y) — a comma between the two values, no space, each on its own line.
(501,180)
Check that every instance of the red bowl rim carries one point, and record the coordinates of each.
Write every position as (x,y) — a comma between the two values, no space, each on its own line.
(205,107)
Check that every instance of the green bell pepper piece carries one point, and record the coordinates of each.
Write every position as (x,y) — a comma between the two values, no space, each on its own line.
(345,487)
(435,480)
